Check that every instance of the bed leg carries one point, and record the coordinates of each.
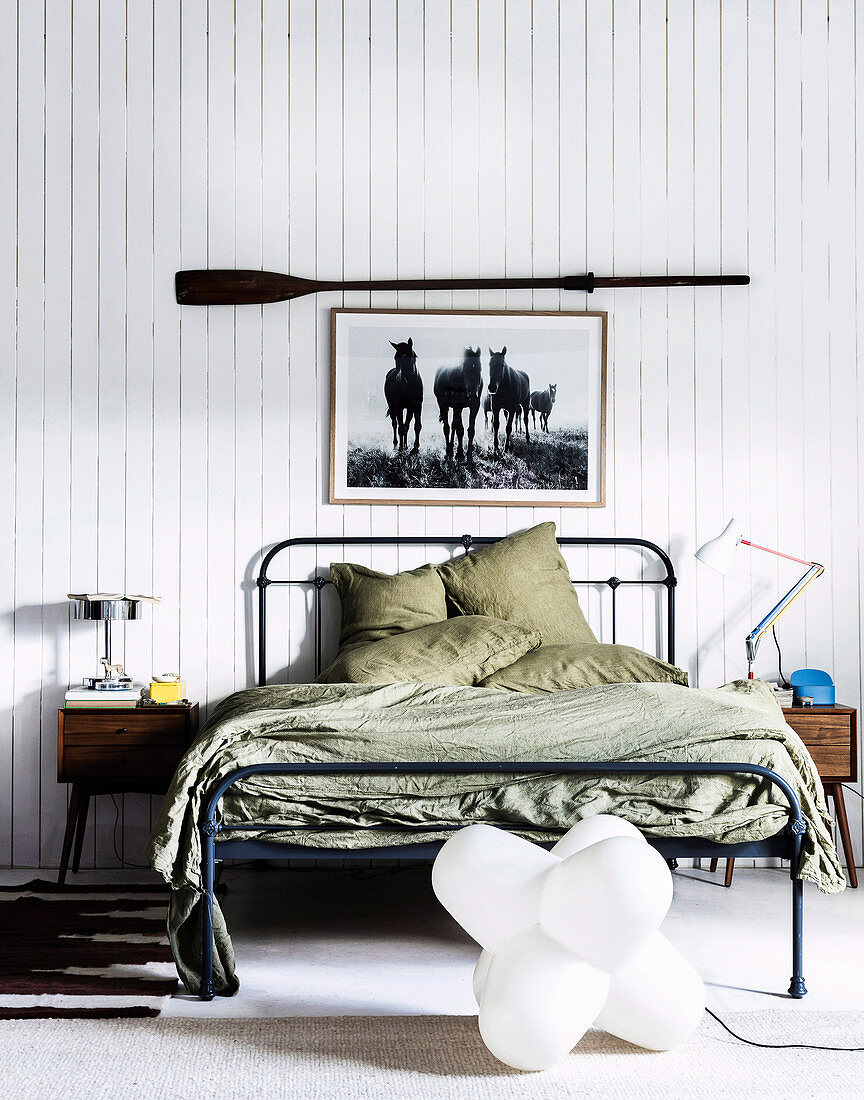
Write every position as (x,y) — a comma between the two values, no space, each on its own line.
(208,869)
(797,988)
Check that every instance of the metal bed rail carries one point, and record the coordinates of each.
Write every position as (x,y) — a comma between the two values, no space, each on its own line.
(787,843)
(467,542)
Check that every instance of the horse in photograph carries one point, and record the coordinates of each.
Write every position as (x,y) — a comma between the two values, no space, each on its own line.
(458,388)
(511,392)
(542,402)
(403,392)
(487,412)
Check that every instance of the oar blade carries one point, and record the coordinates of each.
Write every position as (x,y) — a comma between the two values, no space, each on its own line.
(241,288)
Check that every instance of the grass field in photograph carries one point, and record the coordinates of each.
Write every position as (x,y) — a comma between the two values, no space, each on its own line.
(557,460)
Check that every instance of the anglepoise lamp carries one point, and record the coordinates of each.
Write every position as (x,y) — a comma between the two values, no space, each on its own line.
(720,554)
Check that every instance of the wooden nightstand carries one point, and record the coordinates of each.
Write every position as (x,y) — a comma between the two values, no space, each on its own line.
(116,750)
(831,737)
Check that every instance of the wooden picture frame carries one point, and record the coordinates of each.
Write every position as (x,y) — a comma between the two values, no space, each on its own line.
(549,365)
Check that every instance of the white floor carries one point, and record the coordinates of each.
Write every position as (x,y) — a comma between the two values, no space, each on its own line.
(376,942)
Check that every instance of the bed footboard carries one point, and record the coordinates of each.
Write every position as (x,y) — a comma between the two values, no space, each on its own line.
(211,827)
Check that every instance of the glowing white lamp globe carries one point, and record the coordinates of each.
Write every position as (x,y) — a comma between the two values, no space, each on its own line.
(605,900)
(591,830)
(656,1000)
(570,941)
(490,881)
(481,972)
(539,1000)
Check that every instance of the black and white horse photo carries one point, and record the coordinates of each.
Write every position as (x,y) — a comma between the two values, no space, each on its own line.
(447,367)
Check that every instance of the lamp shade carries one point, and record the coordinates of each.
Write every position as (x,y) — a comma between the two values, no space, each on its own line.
(720,551)
(105,608)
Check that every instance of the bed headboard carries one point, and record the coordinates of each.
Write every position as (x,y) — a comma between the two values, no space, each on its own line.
(466,542)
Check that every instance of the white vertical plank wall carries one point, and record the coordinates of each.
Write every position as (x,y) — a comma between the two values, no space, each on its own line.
(154,447)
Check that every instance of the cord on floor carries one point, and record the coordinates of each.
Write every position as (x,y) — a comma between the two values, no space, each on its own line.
(776,1046)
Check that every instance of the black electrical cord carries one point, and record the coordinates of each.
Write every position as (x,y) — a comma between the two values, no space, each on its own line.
(776,1046)
(784,683)
(120,859)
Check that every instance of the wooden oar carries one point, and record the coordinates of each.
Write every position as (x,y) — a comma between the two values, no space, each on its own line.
(220,288)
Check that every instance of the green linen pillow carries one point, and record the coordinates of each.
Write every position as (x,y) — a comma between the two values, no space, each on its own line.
(523,579)
(377,605)
(457,651)
(560,667)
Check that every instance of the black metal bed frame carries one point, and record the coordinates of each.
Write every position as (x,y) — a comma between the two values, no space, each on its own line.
(786,844)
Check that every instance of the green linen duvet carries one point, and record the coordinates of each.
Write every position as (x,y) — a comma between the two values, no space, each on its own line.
(741,722)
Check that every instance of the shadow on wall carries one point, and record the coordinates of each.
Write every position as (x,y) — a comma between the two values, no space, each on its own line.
(31,713)
(733,626)
(50,620)
(278,613)
(249,588)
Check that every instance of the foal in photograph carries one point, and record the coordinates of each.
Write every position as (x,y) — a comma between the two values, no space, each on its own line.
(510,391)
(459,388)
(487,412)
(403,392)
(542,402)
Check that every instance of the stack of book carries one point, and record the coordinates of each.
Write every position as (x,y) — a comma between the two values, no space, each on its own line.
(783,695)
(117,697)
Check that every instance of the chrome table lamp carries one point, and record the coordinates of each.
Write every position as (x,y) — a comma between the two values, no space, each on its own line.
(99,607)
(719,553)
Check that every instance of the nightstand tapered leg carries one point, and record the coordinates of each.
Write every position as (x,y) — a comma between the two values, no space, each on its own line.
(83,806)
(730,870)
(71,825)
(836,790)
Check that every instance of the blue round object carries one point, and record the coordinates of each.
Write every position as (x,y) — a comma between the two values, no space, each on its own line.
(813,683)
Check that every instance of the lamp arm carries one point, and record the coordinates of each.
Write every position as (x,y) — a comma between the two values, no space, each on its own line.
(755,635)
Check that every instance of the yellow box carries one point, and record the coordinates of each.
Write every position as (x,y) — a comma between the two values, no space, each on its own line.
(167,693)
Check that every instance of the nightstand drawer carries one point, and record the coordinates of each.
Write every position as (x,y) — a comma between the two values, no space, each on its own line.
(829,735)
(99,762)
(831,760)
(122,744)
(131,727)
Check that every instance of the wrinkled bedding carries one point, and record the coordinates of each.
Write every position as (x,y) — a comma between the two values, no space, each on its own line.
(740,722)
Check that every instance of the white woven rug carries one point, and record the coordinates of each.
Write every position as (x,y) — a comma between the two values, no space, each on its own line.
(411,1058)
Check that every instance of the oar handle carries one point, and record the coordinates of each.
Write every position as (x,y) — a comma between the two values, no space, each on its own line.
(615,281)
(558,282)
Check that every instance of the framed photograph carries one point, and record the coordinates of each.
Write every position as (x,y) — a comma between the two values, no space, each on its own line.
(467,407)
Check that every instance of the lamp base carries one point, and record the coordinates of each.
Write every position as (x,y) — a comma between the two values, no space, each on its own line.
(104,683)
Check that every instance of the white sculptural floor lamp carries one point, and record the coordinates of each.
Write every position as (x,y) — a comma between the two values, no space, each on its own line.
(719,553)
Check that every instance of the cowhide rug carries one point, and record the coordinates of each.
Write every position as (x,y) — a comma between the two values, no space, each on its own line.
(83,951)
